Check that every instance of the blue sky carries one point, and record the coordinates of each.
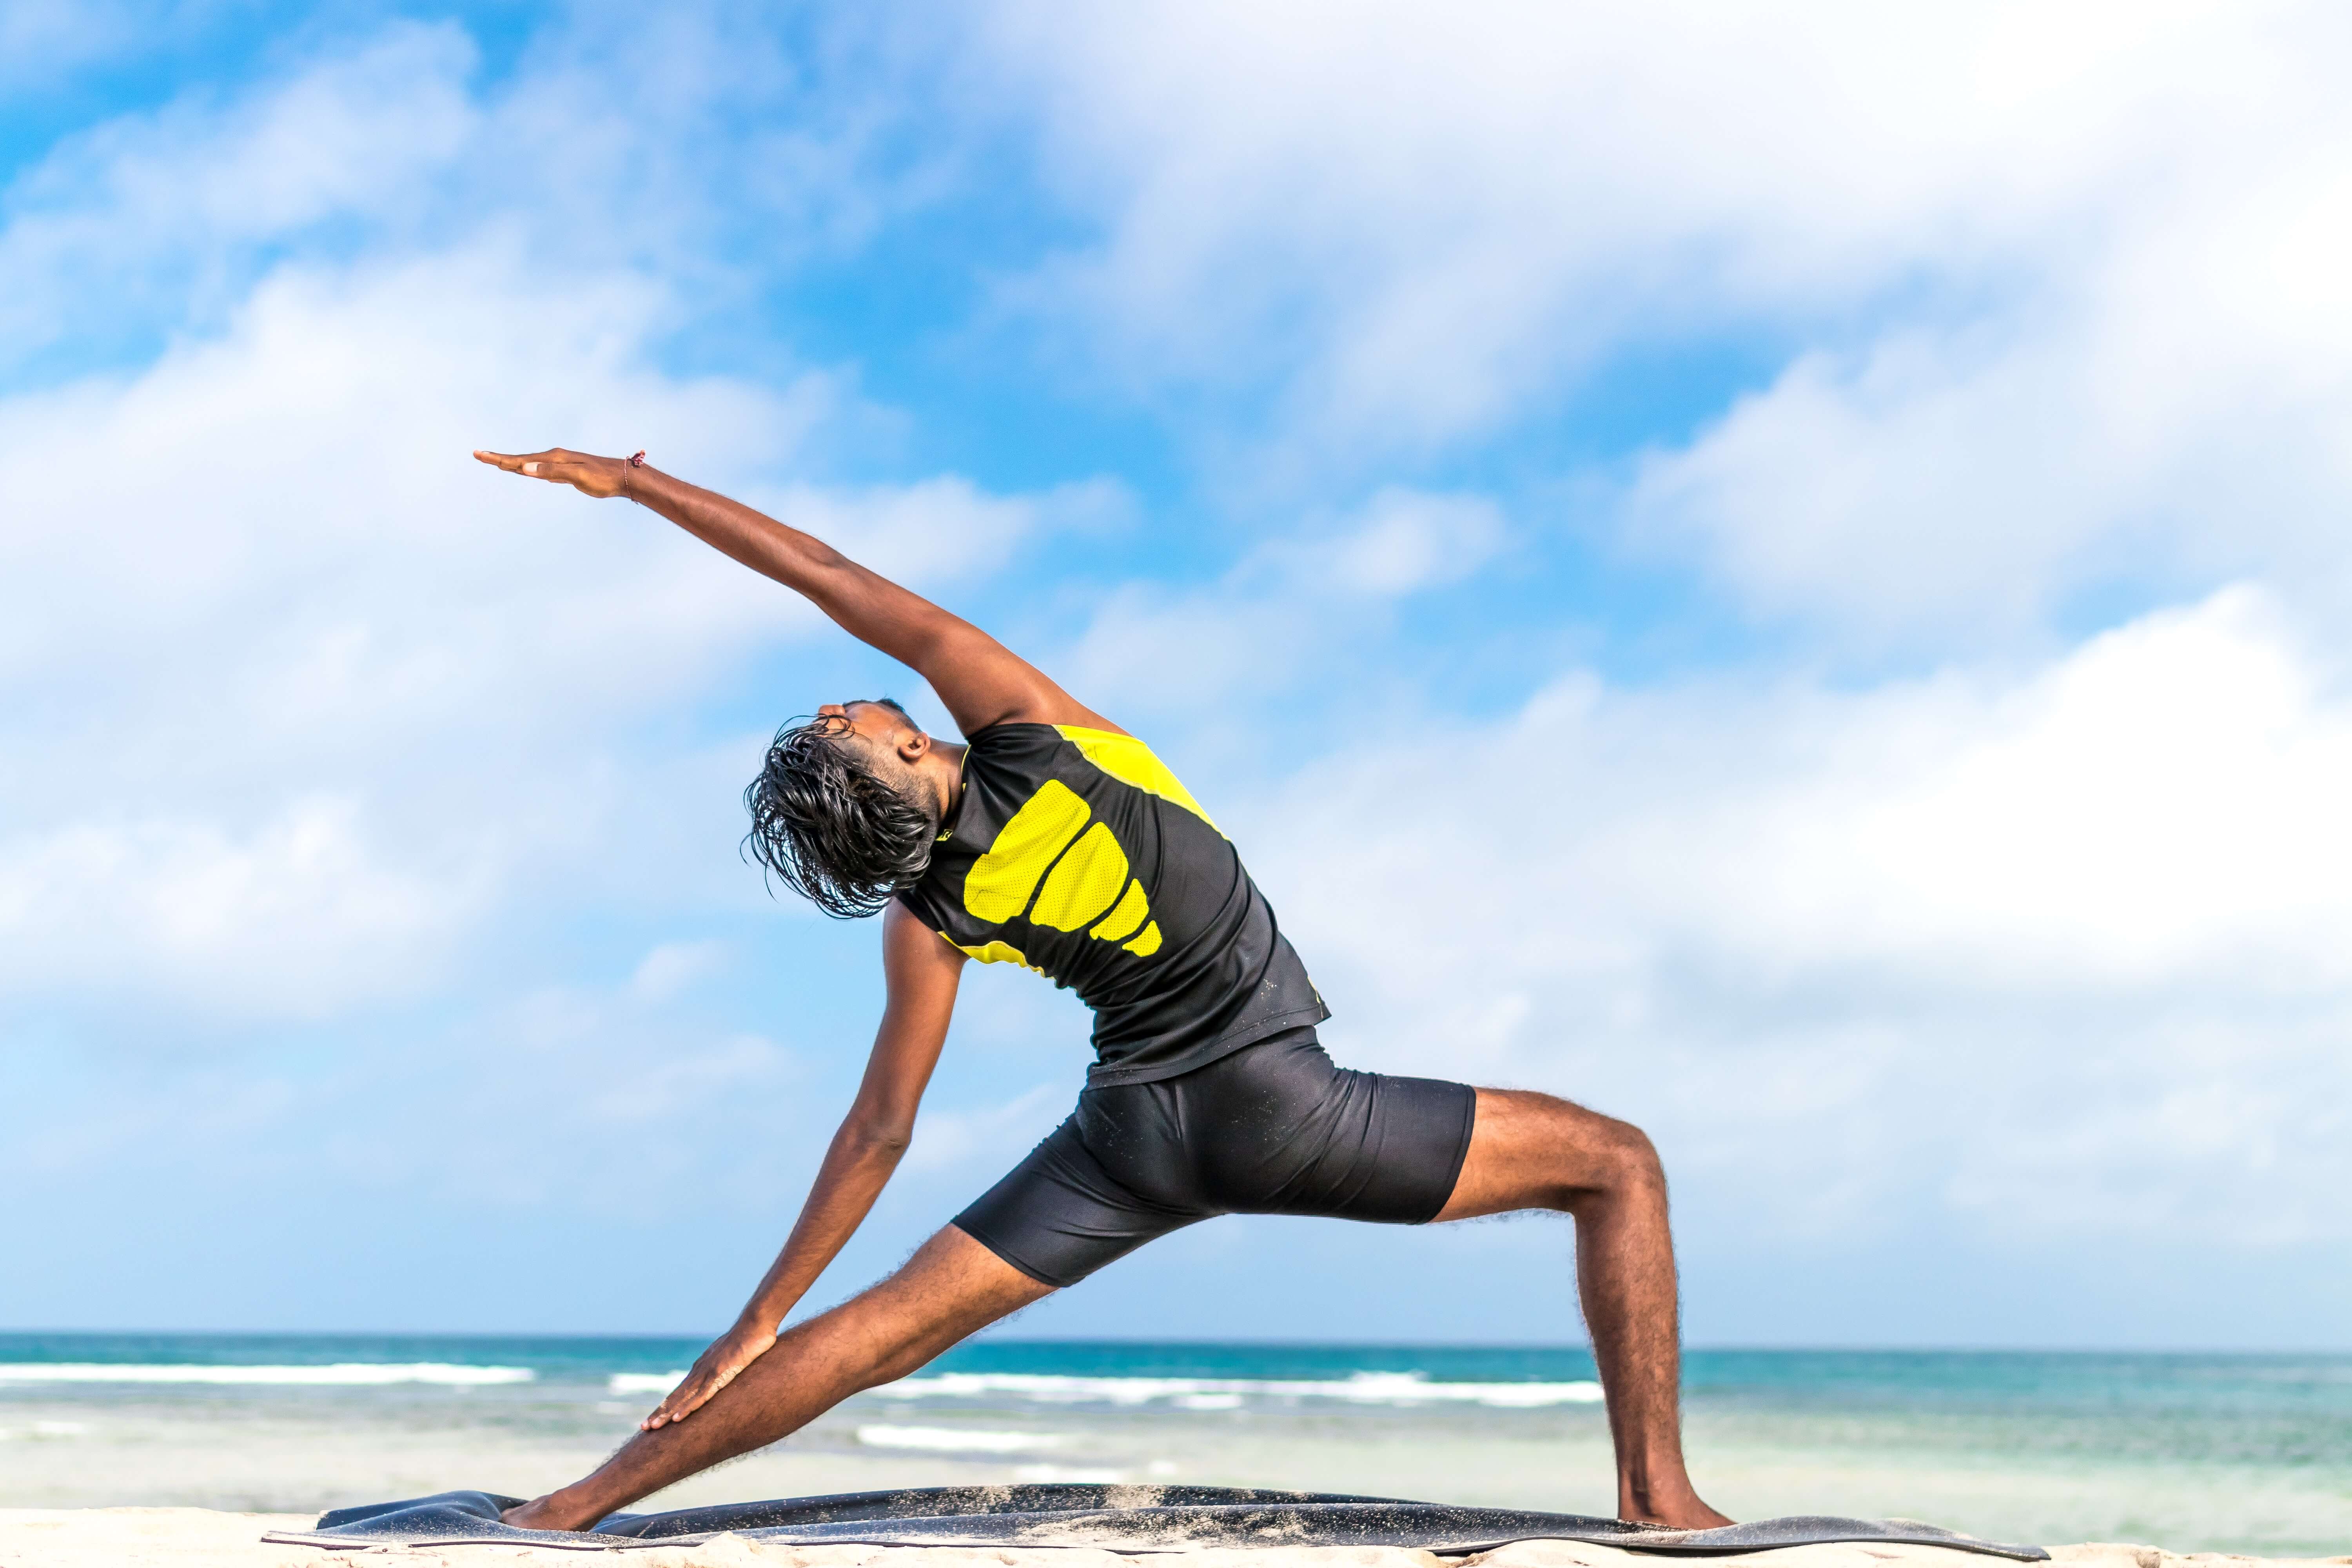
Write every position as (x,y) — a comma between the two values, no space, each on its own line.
(1781,576)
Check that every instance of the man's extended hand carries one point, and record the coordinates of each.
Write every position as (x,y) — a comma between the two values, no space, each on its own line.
(717,1367)
(598,476)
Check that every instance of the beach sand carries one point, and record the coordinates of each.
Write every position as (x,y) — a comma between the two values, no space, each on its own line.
(205,1537)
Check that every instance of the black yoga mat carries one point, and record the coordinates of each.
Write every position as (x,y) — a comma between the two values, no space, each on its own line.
(1114,1518)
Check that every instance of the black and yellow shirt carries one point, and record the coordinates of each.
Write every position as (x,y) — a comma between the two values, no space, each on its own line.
(1076,853)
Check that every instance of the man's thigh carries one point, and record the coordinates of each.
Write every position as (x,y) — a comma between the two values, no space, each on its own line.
(952,1286)
(1537,1150)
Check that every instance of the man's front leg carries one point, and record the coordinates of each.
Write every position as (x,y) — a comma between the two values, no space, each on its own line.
(1532,1151)
(952,1289)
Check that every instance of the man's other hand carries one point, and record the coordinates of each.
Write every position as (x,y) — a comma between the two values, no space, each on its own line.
(598,476)
(717,1367)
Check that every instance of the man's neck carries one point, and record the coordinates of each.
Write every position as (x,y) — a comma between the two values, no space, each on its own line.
(943,766)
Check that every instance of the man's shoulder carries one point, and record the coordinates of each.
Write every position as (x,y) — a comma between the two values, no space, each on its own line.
(1009,763)
(1014,739)
(1131,762)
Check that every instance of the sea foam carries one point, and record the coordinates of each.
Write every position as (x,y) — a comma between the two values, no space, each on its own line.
(340,1374)
(644,1382)
(1224,1393)
(1194,1392)
(955,1440)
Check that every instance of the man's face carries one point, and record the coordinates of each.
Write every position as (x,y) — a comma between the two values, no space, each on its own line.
(878,728)
(880,735)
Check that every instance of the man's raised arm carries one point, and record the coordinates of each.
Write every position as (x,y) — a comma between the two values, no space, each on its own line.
(981,681)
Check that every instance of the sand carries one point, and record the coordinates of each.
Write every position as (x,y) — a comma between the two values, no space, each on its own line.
(205,1537)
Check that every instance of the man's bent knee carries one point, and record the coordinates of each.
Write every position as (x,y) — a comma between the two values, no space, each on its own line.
(1626,1161)
(1537,1150)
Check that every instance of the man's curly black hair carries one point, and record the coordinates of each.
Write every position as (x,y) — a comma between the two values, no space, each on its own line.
(830,828)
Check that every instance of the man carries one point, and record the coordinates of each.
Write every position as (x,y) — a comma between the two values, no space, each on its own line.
(1053,840)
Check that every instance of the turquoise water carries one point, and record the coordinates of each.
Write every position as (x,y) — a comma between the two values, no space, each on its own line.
(2192,1452)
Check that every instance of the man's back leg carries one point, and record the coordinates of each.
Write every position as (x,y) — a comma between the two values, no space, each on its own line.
(1532,1151)
(952,1289)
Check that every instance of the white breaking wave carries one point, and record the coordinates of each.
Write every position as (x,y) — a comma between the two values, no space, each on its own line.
(642,1381)
(1081,1474)
(951,1440)
(341,1374)
(1225,1393)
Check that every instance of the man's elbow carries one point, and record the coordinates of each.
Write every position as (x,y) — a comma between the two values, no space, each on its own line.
(881,1138)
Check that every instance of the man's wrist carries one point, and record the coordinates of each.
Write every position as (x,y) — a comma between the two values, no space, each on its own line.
(757,1319)
(634,475)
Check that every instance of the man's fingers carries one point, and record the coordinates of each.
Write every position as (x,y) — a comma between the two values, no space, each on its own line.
(533,464)
(693,1395)
(669,1414)
(703,1380)
(537,465)
(664,1413)
(599,477)
(699,1392)
(686,1399)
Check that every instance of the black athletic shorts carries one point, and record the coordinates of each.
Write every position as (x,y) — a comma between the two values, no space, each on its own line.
(1274,1128)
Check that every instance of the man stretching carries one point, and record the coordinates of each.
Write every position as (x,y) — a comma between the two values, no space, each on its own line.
(1053,840)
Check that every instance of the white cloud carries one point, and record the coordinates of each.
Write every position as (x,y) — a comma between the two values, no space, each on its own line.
(577,1099)
(938,529)
(2160,411)
(286,598)
(42,42)
(1443,193)
(2156,807)
(2229,1130)
(2059,290)
(673,966)
(302,694)
(2017,917)
(658,1093)
(982,1141)
(144,217)
(1404,541)
(305,910)
(1280,616)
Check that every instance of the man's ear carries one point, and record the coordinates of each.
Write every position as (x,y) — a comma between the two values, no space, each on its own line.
(912,744)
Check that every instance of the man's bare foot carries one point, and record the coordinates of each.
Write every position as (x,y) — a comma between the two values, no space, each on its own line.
(1670,1501)
(538,1513)
(1687,1512)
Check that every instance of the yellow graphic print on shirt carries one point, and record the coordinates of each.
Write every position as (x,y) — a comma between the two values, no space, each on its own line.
(1089,880)
(1085,883)
(999,884)
(998,952)
(1124,916)
(1129,761)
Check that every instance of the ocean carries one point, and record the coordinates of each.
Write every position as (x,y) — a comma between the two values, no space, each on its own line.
(2233,1453)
